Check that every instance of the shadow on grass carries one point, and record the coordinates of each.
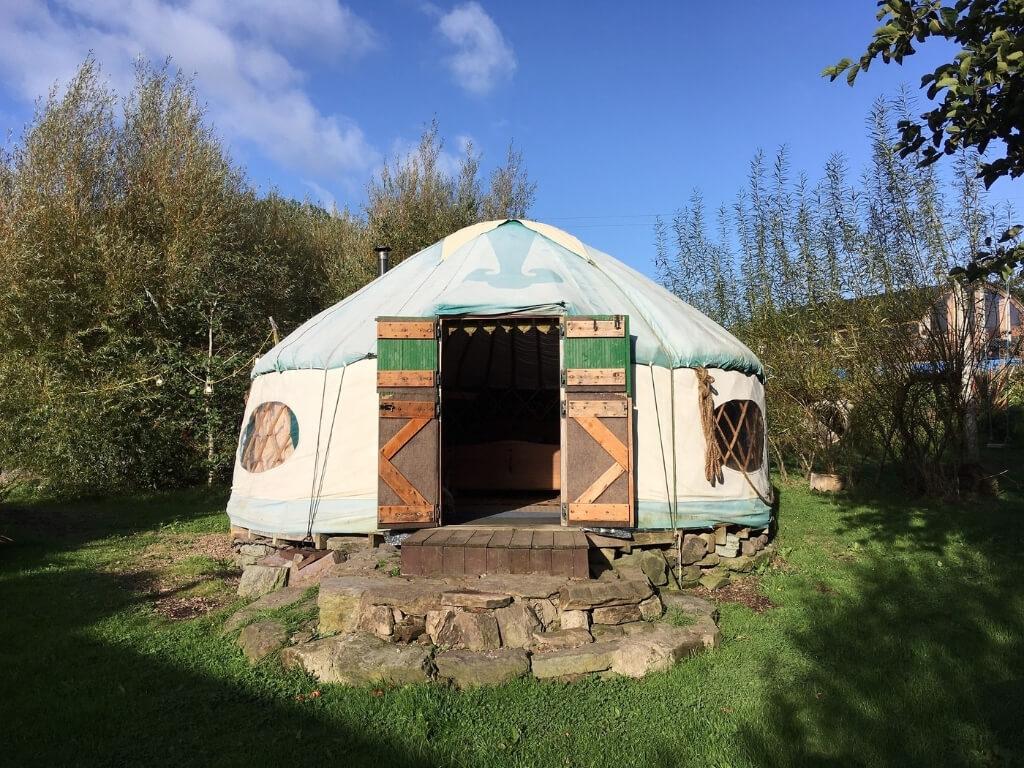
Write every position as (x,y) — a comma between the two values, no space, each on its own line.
(90,677)
(917,656)
(885,510)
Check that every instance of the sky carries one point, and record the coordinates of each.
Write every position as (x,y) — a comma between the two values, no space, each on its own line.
(621,109)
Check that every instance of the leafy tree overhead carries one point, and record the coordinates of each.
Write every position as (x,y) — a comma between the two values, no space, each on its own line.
(978,95)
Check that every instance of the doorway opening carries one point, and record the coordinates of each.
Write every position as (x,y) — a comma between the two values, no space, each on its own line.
(501,425)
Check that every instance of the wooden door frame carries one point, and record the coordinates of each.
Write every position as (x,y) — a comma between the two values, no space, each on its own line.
(630,443)
(563,428)
(411,402)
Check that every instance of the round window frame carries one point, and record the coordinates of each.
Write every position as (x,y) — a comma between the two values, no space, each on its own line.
(283,452)
(752,418)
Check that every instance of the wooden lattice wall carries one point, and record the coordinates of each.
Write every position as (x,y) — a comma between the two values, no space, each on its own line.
(270,437)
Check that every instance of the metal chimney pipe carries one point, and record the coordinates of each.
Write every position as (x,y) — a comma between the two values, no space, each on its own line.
(382,257)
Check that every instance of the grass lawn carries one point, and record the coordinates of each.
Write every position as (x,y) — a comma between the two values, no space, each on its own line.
(896,637)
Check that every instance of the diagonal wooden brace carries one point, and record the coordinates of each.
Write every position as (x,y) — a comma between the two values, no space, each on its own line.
(605,438)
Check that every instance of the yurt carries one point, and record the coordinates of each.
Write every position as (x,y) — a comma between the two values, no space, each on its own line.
(506,375)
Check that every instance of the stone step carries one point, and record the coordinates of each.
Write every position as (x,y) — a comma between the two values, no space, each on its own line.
(457,551)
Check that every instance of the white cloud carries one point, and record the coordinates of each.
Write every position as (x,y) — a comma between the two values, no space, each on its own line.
(238,49)
(321,196)
(321,27)
(482,55)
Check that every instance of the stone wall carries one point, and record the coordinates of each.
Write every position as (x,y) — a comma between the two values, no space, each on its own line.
(633,617)
(375,629)
(709,559)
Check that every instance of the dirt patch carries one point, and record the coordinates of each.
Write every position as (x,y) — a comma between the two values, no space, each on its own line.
(182,576)
(746,591)
(178,547)
(215,545)
(181,608)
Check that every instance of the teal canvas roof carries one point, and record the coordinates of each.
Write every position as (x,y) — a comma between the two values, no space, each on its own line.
(513,267)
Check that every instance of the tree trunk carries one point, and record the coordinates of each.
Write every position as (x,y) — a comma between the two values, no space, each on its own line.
(972,346)
(208,395)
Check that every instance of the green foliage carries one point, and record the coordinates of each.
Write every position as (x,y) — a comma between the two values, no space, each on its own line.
(827,283)
(978,94)
(142,274)
(413,202)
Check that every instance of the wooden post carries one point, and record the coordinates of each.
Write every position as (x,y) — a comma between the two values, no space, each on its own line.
(207,394)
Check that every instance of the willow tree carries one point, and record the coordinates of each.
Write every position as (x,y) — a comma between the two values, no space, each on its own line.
(976,98)
(415,201)
(824,280)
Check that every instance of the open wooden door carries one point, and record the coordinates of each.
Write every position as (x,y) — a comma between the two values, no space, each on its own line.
(597,441)
(408,478)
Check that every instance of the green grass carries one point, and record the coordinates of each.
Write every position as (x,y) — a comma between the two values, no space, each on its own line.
(897,639)
(677,618)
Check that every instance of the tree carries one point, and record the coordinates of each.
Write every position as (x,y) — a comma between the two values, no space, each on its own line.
(978,95)
(836,276)
(511,192)
(414,202)
(140,272)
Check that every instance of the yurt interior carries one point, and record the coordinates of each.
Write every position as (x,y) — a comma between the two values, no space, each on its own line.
(501,427)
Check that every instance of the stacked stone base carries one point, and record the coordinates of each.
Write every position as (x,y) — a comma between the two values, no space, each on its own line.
(376,627)
(493,630)
(710,559)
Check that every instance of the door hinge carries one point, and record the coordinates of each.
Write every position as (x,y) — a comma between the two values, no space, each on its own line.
(564,410)
(565,512)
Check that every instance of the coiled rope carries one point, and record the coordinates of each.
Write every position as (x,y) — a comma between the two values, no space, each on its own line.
(713,459)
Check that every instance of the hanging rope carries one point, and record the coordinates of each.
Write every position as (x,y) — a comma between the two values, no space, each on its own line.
(713,459)
(661,445)
(318,495)
(712,453)
(769,501)
(316,461)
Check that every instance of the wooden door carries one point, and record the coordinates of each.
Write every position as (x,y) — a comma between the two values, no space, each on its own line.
(408,478)
(597,485)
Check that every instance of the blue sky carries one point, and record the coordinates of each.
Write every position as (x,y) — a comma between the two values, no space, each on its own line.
(621,109)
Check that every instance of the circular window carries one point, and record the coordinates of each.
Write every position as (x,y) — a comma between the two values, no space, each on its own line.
(270,437)
(739,429)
